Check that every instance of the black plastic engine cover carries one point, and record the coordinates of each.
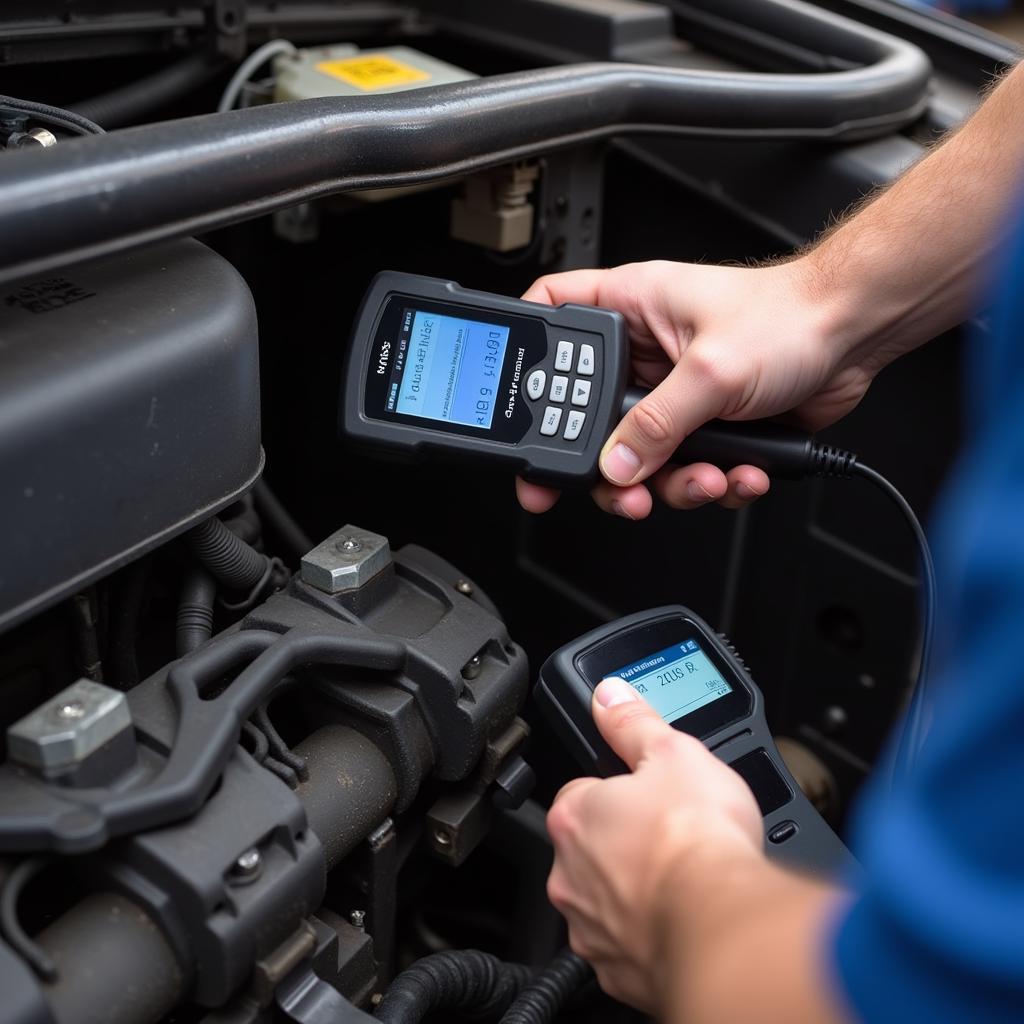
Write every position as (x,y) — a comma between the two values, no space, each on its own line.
(129,410)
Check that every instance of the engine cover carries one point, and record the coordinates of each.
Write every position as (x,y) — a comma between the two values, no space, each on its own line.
(129,410)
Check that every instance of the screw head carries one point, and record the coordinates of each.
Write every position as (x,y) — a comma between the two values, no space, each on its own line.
(464,587)
(442,837)
(358,918)
(349,544)
(72,710)
(248,864)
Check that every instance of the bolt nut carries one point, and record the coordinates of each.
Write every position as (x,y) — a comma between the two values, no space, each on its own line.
(346,560)
(69,727)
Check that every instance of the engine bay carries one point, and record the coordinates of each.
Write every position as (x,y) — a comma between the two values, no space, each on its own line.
(269,740)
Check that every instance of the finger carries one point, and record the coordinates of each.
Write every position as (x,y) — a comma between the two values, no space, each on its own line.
(693,393)
(581,783)
(573,286)
(533,497)
(630,726)
(628,502)
(745,484)
(691,486)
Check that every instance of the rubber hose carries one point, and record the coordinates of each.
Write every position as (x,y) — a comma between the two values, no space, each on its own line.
(131,102)
(232,562)
(194,624)
(474,983)
(541,1000)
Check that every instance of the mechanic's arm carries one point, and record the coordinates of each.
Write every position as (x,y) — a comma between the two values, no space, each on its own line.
(808,335)
(662,879)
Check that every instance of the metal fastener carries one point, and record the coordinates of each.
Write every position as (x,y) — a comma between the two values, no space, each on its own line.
(69,727)
(358,918)
(73,709)
(346,560)
(464,587)
(248,865)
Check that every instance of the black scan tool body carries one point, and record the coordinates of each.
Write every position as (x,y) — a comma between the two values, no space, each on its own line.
(435,369)
(697,683)
(438,369)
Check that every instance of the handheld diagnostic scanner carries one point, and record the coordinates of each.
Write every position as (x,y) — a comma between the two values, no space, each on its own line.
(696,681)
(436,369)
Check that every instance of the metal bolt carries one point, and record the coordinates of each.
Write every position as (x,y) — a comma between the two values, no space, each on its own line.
(358,918)
(442,837)
(464,587)
(376,999)
(73,709)
(349,544)
(248,864)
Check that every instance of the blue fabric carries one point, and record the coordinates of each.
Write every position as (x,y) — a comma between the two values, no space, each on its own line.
(938,932)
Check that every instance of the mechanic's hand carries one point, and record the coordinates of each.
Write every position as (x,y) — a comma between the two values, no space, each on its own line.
(728,342)
(622,844)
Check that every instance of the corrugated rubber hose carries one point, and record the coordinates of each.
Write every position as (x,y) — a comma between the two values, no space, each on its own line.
(474,983)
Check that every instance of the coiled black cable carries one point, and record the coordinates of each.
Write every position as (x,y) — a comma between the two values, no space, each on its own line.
(541,1000)
(474,983)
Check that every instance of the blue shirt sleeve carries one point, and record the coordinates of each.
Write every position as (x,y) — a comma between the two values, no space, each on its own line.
(937,933)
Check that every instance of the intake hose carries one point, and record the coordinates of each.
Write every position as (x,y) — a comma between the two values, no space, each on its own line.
(233,563)
(96,196)
(194,625)
(465,980)
(132,102)
(541,1000)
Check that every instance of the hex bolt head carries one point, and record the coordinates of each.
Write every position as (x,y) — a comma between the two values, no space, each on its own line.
(358,918)
(464,587)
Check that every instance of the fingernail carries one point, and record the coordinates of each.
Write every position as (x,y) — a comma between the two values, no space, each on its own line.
(614,691)
(745,492)
(696,492)
(621,464)
(620,510)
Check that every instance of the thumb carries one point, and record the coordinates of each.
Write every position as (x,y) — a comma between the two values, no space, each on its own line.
(658,424)
(629,725)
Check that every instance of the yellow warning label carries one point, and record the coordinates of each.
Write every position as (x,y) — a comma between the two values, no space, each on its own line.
(371,71)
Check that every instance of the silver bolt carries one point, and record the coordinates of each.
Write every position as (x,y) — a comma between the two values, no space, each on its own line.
(358,918)
(464,587)
(248,863)
(349,544)
(377,998)
(442,837)
(73,709)
(475,661)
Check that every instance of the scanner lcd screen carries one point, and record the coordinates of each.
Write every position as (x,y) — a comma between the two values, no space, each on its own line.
(676,680)
(447,368)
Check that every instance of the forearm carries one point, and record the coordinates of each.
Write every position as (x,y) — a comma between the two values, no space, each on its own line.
(747,941)
(911,264)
